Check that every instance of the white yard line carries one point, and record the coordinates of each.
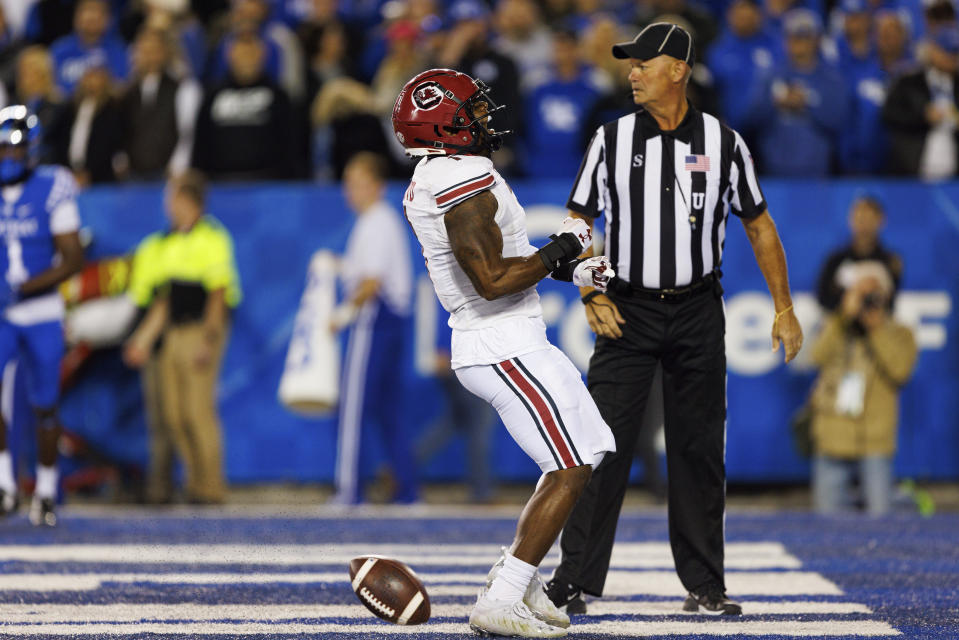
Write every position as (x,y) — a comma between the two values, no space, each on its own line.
(649,555)
(155,612)
(618,583)
(628,628)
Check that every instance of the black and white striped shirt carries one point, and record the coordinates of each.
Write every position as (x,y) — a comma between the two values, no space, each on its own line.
(666,195)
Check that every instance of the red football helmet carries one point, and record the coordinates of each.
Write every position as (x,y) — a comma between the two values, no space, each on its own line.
(434,115)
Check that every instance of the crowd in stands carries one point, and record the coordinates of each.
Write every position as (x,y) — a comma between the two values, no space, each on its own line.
(290,89)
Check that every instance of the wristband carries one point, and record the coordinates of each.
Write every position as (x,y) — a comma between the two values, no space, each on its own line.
(589,296)
(564,272)
(561,248)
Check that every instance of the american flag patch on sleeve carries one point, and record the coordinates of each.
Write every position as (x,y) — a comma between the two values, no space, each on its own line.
(697,163)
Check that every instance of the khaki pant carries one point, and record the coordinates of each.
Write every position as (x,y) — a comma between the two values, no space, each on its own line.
(159,483)
(189,408)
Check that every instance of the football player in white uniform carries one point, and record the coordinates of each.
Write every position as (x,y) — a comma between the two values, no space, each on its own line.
(473,233)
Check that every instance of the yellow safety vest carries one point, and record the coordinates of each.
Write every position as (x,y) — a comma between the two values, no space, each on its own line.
(203,255)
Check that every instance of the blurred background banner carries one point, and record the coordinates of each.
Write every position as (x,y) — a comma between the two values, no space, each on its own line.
(277,228)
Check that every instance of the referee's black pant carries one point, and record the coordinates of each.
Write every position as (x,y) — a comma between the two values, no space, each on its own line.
(688,338)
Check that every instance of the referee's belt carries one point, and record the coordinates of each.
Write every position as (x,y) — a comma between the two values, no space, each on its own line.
(627,290)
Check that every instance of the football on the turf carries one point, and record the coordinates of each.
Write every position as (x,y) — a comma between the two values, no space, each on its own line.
(390,589)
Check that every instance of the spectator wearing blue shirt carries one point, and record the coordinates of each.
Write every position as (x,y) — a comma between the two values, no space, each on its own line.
(744,51)
(801,106)
(284,56)
(855,51)
(556,110)
(865,142)
(246,17)
(894,53)
(90,45)
(775,11)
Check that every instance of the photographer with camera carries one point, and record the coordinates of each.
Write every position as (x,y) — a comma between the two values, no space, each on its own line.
(864,357)
(866,219)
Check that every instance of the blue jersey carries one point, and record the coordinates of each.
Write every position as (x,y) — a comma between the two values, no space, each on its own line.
(737,64)
(559,108)
(801,143)
(851,65)
(31,214)
(72,58)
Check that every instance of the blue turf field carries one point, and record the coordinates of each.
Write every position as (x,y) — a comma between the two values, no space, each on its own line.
(268,573)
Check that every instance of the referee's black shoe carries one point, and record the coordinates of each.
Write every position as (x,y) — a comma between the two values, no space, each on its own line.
(564,594)
(713,602)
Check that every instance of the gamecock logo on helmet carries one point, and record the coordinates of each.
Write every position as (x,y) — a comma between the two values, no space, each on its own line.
(428,96)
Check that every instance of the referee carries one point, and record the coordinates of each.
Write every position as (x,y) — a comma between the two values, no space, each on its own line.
(667,177)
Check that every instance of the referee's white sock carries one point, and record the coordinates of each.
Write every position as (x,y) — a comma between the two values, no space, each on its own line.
(511,581)
(47,478)
(7,483)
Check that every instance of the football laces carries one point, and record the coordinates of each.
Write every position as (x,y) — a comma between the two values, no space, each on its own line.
(376,603)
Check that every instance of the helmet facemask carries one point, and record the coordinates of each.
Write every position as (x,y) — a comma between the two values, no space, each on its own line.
(478,119)
(445,112)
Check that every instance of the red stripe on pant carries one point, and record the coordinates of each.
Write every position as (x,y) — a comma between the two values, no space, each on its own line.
(544,415)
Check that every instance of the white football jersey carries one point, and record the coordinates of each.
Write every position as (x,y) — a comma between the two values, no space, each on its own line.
(484,331)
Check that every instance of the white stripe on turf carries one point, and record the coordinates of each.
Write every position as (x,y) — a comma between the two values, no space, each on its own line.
(154,612)
(858,628)
(618,583)
(654,555)
(738,583)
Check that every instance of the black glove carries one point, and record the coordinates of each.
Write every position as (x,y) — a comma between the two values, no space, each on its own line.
(562,248)
(564,271)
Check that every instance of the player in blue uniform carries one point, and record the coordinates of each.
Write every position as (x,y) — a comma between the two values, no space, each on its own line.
(39,249)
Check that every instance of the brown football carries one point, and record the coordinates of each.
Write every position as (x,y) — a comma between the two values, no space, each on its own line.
(390,589)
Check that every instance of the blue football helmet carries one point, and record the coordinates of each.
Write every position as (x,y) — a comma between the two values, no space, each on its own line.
(18,129)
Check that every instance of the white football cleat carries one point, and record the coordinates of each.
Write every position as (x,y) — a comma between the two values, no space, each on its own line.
(514,619)
(9,502)
(42,512)
(535,597)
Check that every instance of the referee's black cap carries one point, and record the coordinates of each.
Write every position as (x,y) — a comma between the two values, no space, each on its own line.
(659,38)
